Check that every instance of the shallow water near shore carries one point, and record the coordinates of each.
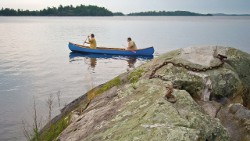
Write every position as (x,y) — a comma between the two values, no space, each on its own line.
(36,62)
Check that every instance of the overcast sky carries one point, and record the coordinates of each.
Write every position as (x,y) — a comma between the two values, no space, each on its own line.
(128,6)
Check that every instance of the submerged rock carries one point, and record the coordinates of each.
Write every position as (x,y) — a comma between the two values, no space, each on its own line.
(136,108)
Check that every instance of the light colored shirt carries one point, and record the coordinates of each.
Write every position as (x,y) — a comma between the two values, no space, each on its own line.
(132,45)
(92,43)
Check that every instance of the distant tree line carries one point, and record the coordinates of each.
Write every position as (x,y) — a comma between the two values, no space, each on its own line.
(167,13)
(81,10)
(90,10)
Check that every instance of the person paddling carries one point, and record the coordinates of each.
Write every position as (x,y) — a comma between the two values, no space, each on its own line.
(91,41)
(131,45)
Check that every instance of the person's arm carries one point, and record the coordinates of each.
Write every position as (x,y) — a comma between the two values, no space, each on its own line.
(89,40)
(131,45)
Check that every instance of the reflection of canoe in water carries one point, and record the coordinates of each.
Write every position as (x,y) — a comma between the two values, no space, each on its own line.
(116,51)
(73,55)
(94,57)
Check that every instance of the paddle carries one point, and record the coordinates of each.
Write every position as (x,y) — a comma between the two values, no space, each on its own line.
(85,40)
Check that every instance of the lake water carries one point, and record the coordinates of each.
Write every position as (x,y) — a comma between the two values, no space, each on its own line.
(35,61)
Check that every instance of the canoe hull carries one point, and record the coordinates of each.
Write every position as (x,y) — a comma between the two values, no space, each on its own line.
(140,52)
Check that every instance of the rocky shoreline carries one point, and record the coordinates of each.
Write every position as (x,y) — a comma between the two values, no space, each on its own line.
(210,105)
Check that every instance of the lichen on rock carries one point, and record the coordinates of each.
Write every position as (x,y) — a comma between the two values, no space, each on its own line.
(134,107)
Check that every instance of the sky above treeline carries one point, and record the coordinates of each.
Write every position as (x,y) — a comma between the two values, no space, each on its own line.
(129,6)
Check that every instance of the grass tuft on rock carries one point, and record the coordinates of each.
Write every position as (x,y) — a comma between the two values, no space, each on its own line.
(55,129)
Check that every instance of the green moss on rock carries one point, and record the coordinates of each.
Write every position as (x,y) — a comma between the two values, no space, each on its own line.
(55,129)
(114,82)
(135,75)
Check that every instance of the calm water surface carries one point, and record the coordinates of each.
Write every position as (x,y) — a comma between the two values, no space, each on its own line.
(35,61)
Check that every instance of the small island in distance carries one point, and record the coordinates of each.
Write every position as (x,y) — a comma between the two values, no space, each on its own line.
(168,13)
(92,10)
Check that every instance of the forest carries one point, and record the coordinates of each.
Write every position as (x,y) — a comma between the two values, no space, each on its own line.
(89,10)
(81,10)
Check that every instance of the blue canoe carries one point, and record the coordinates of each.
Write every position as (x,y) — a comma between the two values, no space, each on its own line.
(117,51)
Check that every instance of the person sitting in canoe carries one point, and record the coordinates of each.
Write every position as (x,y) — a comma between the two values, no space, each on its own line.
(131,45)
(92,41)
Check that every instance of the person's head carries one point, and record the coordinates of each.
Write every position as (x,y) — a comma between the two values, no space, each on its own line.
(129,39)
(92,36)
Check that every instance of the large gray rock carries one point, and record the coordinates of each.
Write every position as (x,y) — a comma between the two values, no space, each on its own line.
(140,112)
(231,81)
(137,109)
